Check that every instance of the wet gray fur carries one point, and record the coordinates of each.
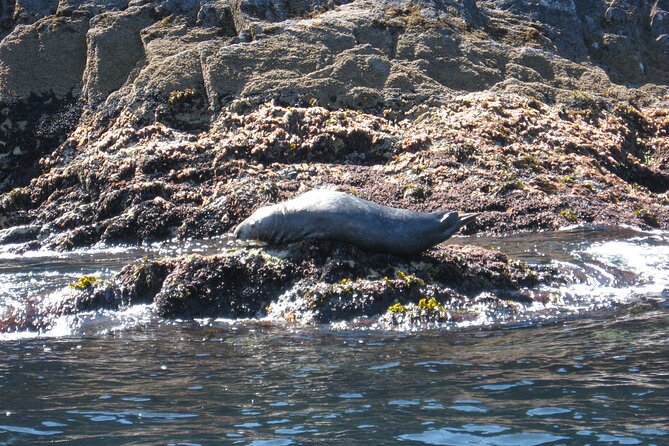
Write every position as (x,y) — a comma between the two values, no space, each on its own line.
(330,215)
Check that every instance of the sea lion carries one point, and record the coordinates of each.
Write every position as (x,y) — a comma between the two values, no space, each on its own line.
(329,215)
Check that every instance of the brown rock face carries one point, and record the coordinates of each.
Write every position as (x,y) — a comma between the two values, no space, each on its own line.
(130,121)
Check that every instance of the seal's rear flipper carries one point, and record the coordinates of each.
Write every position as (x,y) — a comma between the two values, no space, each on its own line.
(453,218)
(468,218)
(452,221)
(448,218)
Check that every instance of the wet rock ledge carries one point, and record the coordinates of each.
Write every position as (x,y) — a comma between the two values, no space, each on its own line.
(309,282)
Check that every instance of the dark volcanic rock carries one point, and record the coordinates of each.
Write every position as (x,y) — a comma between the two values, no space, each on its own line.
(19,234)
(231,286)
(137,283)
(30,129)
(322,282)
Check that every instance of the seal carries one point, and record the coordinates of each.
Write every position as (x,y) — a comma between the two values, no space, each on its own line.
(330,215)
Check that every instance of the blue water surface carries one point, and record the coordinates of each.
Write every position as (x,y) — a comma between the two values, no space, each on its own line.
(591,367)
(596,381)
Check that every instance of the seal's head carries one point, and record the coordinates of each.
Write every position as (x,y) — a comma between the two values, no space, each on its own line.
(259,226)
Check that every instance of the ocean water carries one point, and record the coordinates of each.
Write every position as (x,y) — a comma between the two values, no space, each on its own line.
(589,368)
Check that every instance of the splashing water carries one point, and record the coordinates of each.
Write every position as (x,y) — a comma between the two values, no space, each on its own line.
(127,377)
(608,268)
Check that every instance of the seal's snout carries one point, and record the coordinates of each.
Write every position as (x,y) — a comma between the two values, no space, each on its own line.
(243,231)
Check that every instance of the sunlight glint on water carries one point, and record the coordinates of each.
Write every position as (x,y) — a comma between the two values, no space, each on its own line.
(582,382)
(108,378)
(610,268)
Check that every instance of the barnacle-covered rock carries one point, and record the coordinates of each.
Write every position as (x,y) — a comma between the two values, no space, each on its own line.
(312,282)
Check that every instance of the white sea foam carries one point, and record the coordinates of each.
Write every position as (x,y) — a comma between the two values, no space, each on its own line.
(90,323)
(606,269)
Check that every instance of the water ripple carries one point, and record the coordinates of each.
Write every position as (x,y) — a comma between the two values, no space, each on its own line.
(459,437)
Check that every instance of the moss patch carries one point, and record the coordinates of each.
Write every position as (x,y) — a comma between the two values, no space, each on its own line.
(83,283)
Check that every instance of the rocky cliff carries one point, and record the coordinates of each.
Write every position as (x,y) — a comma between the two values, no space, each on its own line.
(125,121)
(132,121)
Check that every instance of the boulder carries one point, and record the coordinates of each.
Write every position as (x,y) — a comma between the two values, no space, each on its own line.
(308,281)
(114,50)
(31,58)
